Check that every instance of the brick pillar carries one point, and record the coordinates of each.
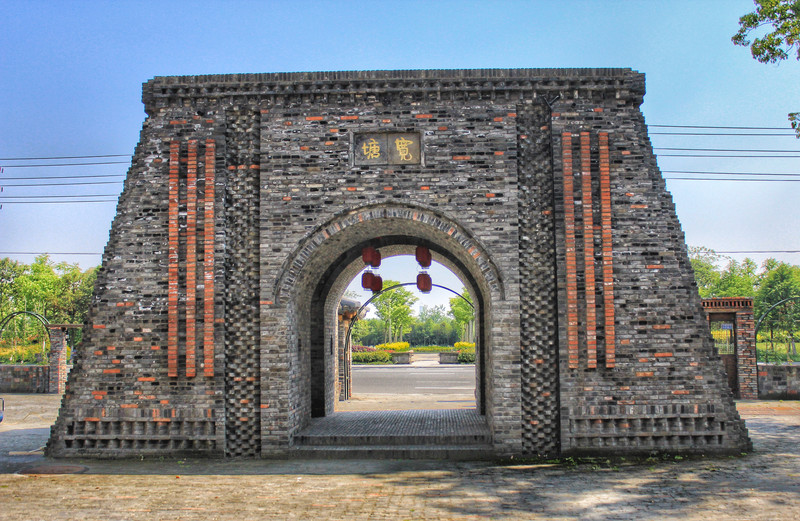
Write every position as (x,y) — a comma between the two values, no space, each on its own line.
(58,359)
(746,353)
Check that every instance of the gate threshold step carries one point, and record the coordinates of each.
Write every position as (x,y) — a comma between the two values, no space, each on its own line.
(411,452)
(391,440)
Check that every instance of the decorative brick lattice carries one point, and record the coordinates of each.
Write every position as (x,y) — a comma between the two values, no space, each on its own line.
(242,356)
(538,319)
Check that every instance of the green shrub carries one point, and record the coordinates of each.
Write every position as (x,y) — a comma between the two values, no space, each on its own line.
(433,349)
(464,345)
(466,356)
(30,354)
(373,357)
(395,347)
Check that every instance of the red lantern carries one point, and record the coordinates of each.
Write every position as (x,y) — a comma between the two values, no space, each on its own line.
(423,255)
(367,254)
(371,256)
(377,283)
(424,283)
(367,280)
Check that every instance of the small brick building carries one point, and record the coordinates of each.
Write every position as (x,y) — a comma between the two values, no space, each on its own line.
(213,328)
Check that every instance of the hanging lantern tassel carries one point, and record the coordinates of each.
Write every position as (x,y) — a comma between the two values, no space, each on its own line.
(424,283)
(367,280)
(423,255)
(377,283)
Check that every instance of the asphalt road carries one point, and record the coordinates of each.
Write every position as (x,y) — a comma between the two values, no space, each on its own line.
(455,379)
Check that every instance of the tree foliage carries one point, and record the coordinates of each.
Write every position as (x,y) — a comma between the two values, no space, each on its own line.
(394,309)
(775,282)
(61,292)
(464,314)
(780,41)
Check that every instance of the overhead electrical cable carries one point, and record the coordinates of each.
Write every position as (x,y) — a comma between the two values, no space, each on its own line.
(60,157)
(726,150)
(732,179)
(70,164)
(54,196)
(58,177)
(718,127)
(58,202)
(724,173)
(63,184)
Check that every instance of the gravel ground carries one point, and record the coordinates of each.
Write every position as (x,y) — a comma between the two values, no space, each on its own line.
(764,485)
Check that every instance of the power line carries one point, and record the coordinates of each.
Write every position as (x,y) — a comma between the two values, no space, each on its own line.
(758,251)
(66,184)
(732,179)
(718,127)
(60,157)
(55,196)
(725,150)
(59,177)
(725,155)
(58,202)
(722,173)
(70,164)
(746,134)
(48,253)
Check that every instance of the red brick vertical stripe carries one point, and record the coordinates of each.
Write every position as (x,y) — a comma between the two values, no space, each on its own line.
(608,266)
(569,240)
(172,257)
(588,251)
(208,262)
(191,259)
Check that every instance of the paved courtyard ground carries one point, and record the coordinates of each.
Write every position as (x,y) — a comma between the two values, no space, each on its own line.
(763,485)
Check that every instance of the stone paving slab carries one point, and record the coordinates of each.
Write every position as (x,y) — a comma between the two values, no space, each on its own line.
(764,485)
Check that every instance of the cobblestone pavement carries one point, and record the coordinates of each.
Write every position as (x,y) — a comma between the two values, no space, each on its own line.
(764,485)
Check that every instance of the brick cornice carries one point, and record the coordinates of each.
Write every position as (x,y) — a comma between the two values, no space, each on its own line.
(316,87)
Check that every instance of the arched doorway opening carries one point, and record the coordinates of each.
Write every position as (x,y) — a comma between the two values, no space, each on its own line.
(325,342)
(317,275)
(434,320)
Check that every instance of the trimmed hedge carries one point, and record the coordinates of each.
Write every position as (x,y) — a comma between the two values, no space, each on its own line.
(372,357)
(464,345)
(433,349)
(397,347)
(466,356)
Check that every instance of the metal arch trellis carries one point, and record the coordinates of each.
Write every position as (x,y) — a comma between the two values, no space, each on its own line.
(381,292)
(764,315)
(8,318)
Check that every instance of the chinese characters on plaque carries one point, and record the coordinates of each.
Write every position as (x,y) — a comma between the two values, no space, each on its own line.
(387,149)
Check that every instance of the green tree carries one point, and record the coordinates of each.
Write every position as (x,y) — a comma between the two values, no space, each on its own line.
(738,279)
(706,274)
(777,44)
(464,315)
(368,332)
(59,292)
(779,284)
(9,272)
(432,327)
(394,308)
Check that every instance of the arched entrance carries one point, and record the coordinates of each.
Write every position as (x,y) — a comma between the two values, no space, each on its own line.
(318,273)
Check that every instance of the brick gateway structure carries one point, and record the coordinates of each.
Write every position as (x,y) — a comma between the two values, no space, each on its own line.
(213,328)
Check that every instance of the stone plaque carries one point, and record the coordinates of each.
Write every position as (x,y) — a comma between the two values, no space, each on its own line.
(387,148)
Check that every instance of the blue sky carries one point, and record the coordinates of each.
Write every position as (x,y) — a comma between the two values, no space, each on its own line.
(71,75)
